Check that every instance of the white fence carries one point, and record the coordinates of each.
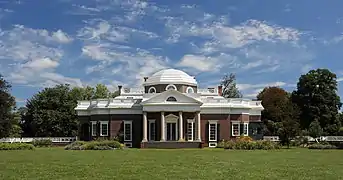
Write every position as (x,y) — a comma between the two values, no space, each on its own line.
(30,139)
(321,138)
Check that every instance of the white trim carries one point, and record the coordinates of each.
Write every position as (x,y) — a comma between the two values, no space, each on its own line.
(93,133)
(171,118)
(212,122)
(152,88)
(129,145)
(171,85)
(190,134)
(212,144)
(152,121)
(247,125)
(128,122)
(171,108)
(239,128)
(189,88)
(102,123)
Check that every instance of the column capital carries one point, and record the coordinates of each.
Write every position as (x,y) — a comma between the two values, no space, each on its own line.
(180,112)
(162,112)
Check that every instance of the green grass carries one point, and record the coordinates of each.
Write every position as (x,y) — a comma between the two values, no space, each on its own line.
(56,163)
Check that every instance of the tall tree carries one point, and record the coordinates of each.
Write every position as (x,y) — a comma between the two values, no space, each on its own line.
(101,91)
(230,89)
(50,113)
(7,105)
(316,95)
(275,101)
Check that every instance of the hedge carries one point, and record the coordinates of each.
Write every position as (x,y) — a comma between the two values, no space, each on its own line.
(322,146)
(246,143)
(42,143)
(16,146)
(94,145)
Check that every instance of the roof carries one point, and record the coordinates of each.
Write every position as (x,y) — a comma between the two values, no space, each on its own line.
(171,76)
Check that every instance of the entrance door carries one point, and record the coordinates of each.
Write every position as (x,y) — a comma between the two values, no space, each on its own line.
(171,131)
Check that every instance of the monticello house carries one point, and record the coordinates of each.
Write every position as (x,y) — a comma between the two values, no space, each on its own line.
(169,111)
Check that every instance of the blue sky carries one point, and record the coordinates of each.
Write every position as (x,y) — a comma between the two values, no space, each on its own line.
(81,42)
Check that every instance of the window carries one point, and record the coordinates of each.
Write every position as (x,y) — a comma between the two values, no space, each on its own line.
(190,130)
(235,129)
(94,126)
(104,128)
(127,130)
(171,87)
(245,129)
(190,90)
(152,90)
(212,130)
(152,130)
(171,98)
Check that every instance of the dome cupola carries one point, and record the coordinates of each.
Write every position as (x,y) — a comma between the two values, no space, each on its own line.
(170,76)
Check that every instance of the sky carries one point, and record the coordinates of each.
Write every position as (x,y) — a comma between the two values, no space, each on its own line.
(118,42)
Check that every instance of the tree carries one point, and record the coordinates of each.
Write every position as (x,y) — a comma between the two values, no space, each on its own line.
(50,113)
(316,94)
(7,105)
(288,127)
(274,100)
(315,130)
(101,91)
(229,87)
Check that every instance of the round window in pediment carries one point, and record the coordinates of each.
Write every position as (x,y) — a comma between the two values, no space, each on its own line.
(171,87)
(171,99)
(152,90)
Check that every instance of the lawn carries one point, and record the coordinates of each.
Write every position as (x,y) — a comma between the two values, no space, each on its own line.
(56,163)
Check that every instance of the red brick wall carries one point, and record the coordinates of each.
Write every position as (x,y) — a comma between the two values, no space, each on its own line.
(223,122)
(255,118)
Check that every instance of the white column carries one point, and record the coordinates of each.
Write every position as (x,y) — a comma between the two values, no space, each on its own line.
(162,127)
(198,127)
(145,127)
(180,126)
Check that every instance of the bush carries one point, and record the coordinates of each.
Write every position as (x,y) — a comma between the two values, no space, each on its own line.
(245,138)
(42,142)
(322,146)
(251,145)
(16,146)
(94,145)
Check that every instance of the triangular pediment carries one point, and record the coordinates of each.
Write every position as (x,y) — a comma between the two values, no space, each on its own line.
(171,97)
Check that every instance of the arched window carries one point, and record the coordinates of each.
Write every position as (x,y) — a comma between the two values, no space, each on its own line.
(190,90)
(171,99)
(152,90)
(171,87)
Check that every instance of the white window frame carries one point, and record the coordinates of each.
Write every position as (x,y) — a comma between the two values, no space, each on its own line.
(102,123)
(128,122)
(93,131)
(171,85)
(152,121)
(189,88)
(247,126)
(239,128)
(152,88)
(190,134)
(211,122)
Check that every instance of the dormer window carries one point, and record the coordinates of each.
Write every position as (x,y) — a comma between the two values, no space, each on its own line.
(152,90)
(171,99)
(190,90)
(171,87)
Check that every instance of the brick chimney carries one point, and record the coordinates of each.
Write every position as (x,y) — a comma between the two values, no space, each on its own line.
(220,90)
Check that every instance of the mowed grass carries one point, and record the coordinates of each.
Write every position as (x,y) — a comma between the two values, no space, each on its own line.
(56,163)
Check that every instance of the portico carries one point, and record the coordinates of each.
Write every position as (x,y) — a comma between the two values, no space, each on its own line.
(172,127)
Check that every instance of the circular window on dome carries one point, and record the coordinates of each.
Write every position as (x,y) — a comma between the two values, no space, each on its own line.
(152,90)
(190,90)
(171,87)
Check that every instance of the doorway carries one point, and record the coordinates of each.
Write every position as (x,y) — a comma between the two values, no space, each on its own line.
(171,131)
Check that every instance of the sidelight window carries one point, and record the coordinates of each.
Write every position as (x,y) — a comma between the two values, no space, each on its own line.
(127,130)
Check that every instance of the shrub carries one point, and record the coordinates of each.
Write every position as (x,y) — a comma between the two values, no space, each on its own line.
(221,144)
(251,145)
(322,146)
(42,142)
(245,138)
(16,146)
(94,145)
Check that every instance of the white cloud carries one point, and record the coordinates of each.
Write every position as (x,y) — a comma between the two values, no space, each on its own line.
(41,64)
(251,86)
(60,36)
(340,79)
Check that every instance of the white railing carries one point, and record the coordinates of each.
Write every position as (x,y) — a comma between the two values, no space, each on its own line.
(233,101)
(30,139)
(132,91)
(208,91)
(311,139)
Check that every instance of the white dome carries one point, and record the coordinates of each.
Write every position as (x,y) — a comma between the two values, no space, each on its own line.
(171,76)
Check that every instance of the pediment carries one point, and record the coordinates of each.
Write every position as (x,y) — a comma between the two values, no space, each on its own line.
(171,97)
